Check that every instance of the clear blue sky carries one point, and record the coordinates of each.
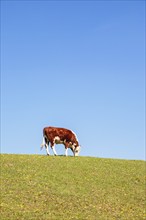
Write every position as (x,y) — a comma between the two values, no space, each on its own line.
(78,65)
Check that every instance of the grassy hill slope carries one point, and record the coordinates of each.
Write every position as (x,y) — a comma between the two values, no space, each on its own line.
(64,188)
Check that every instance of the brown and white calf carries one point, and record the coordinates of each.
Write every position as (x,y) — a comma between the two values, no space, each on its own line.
(64,136)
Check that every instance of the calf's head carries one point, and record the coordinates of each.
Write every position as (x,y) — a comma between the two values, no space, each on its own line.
(75,150)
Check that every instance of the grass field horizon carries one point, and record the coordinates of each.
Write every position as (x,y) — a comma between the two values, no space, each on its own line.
(55,188)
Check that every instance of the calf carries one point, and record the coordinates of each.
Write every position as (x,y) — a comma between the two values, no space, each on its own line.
(64,136)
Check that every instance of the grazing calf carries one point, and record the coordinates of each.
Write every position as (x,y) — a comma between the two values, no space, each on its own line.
(64,136)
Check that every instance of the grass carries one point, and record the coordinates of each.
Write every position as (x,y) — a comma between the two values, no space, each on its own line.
(63,188)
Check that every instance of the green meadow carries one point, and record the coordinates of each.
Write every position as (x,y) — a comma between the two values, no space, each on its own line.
(62,188)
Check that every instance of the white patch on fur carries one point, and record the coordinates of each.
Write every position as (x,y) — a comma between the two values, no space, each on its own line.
(57,140)
(73,147)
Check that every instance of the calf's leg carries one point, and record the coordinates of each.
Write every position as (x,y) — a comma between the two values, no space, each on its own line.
(53,148)
(47,149)
(66,150)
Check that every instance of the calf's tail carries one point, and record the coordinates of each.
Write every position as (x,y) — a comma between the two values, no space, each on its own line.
(43,143)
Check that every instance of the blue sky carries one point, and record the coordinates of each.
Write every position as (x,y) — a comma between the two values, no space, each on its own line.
(78,65)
